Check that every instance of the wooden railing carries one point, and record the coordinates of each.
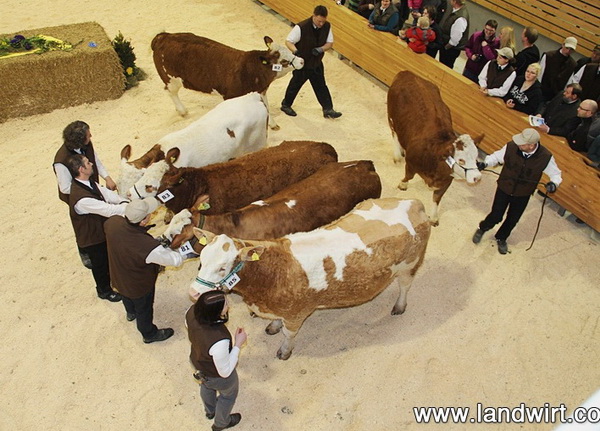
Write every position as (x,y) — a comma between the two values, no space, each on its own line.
(472,112)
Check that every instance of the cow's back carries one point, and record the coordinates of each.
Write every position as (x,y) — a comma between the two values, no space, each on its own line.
(416,111)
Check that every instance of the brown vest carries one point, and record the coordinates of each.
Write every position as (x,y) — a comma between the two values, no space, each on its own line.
(128,247)
(495,77)
(203,337)
(61,157)
(520,175)
(88,227)
(311,38)
(590,82)
(448,20)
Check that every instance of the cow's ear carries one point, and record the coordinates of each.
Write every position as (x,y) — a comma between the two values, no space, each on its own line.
(204,236)
(268,41)
(249,254)
(126,152)
(172,155)
(478,139)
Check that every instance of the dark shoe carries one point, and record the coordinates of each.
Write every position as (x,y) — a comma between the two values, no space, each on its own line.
(161,335)
(131,317)
(288,110)
(330,113)
(110,296)
(210,416)
(234,419)
(502,246)
(477,236)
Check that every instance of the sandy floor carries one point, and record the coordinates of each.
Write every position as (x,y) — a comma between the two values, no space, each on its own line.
(480,327)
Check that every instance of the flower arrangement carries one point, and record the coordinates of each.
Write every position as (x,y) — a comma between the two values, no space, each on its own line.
(21,45)
(124,50)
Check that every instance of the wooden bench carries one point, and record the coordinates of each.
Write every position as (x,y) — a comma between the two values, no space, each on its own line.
(472,112)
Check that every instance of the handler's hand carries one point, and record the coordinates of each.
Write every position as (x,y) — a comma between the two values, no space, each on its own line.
(240,337)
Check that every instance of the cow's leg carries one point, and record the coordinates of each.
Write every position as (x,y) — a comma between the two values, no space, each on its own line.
(285,350)
(437,197)
(272,123)
(398,150)
(173,88)
(274,327)
(408,175)
(404,280)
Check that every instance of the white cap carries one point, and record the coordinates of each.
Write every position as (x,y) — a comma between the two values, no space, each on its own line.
(138,209)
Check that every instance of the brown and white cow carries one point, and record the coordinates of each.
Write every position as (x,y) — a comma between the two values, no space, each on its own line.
(201,64)
(321,198)
(343,264)
(421,125)
(132,171)
(239,182)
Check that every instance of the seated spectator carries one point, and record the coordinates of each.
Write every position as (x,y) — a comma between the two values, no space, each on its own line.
(577,138)
(560,115)
(507,38)
(594,152)
(384,17)
(420,36)
(498,75)
(594,58)
(557,68)
(480,49)
(589,79)
(365,7)
(530,52)
(352,5)
(525,94)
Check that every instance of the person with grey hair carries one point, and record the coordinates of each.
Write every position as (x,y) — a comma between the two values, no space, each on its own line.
(134,258)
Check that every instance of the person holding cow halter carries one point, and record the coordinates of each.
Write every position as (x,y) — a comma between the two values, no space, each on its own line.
(524,160)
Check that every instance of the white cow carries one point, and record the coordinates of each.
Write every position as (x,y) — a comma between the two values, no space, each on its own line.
(233,128)
(345,263)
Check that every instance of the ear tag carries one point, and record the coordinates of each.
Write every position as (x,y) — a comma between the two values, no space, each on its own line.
(186,248)
(255,256)
(165,196)
(264,62)
(202,240)
(204,206)
(450,161)
(277,68)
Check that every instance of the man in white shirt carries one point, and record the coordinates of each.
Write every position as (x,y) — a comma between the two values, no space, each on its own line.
(454,27)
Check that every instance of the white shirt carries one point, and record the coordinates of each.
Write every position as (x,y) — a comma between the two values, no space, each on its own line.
(114,204)
(164,256)
(576,77)
(457,29)
(496,92)
(64,178)
(296,34)
(551,168)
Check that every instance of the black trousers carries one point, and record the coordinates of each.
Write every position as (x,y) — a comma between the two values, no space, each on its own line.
(516,207)
(449,56)
(99,257)
(317,81)
(143,308)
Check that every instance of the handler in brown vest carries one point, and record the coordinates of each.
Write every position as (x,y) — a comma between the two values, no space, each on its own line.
(524,160)
(90,204)
(498,75)
(134,258)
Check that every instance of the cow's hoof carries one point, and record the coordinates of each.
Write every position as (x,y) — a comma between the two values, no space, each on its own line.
(183,114)
(398,310)
(434,223)
(403,186)
(273,328)
(283,356)
(275,127)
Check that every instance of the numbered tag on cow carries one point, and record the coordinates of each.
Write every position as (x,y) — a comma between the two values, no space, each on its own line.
(165,196)
(277,68)
(231,281)
(186,248)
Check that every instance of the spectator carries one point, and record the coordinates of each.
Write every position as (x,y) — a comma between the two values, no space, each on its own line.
(420,36)
(577,138)
(310,39)
(525,94)
(365,7)
(480,49)
(498,75)
(523,159)
(385,17)
(530,52)
(455,32)
(90,206)
(560,115)
(440,8)
(416,8)
(594,58)
(594,152)
(507,38)
(557,67)
(434,46)
(589,79)
(353,5)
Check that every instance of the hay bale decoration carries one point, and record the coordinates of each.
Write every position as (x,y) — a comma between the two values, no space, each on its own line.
(76,64)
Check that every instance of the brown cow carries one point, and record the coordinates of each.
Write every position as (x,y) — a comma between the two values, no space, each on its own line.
(241,181)
(428,141)
(201,64)
(324,196)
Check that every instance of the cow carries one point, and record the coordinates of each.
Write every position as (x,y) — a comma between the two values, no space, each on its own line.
(428,142)
(201,64)
(131,171)
(239,182)
(319,199)
(346,263)
(233,128)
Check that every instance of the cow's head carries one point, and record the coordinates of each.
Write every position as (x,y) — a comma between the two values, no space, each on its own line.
(149,182)
(222,258)
(279,54)
(132,171)
(464,159)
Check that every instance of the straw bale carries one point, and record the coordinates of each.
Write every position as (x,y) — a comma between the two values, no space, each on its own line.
(38,83)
